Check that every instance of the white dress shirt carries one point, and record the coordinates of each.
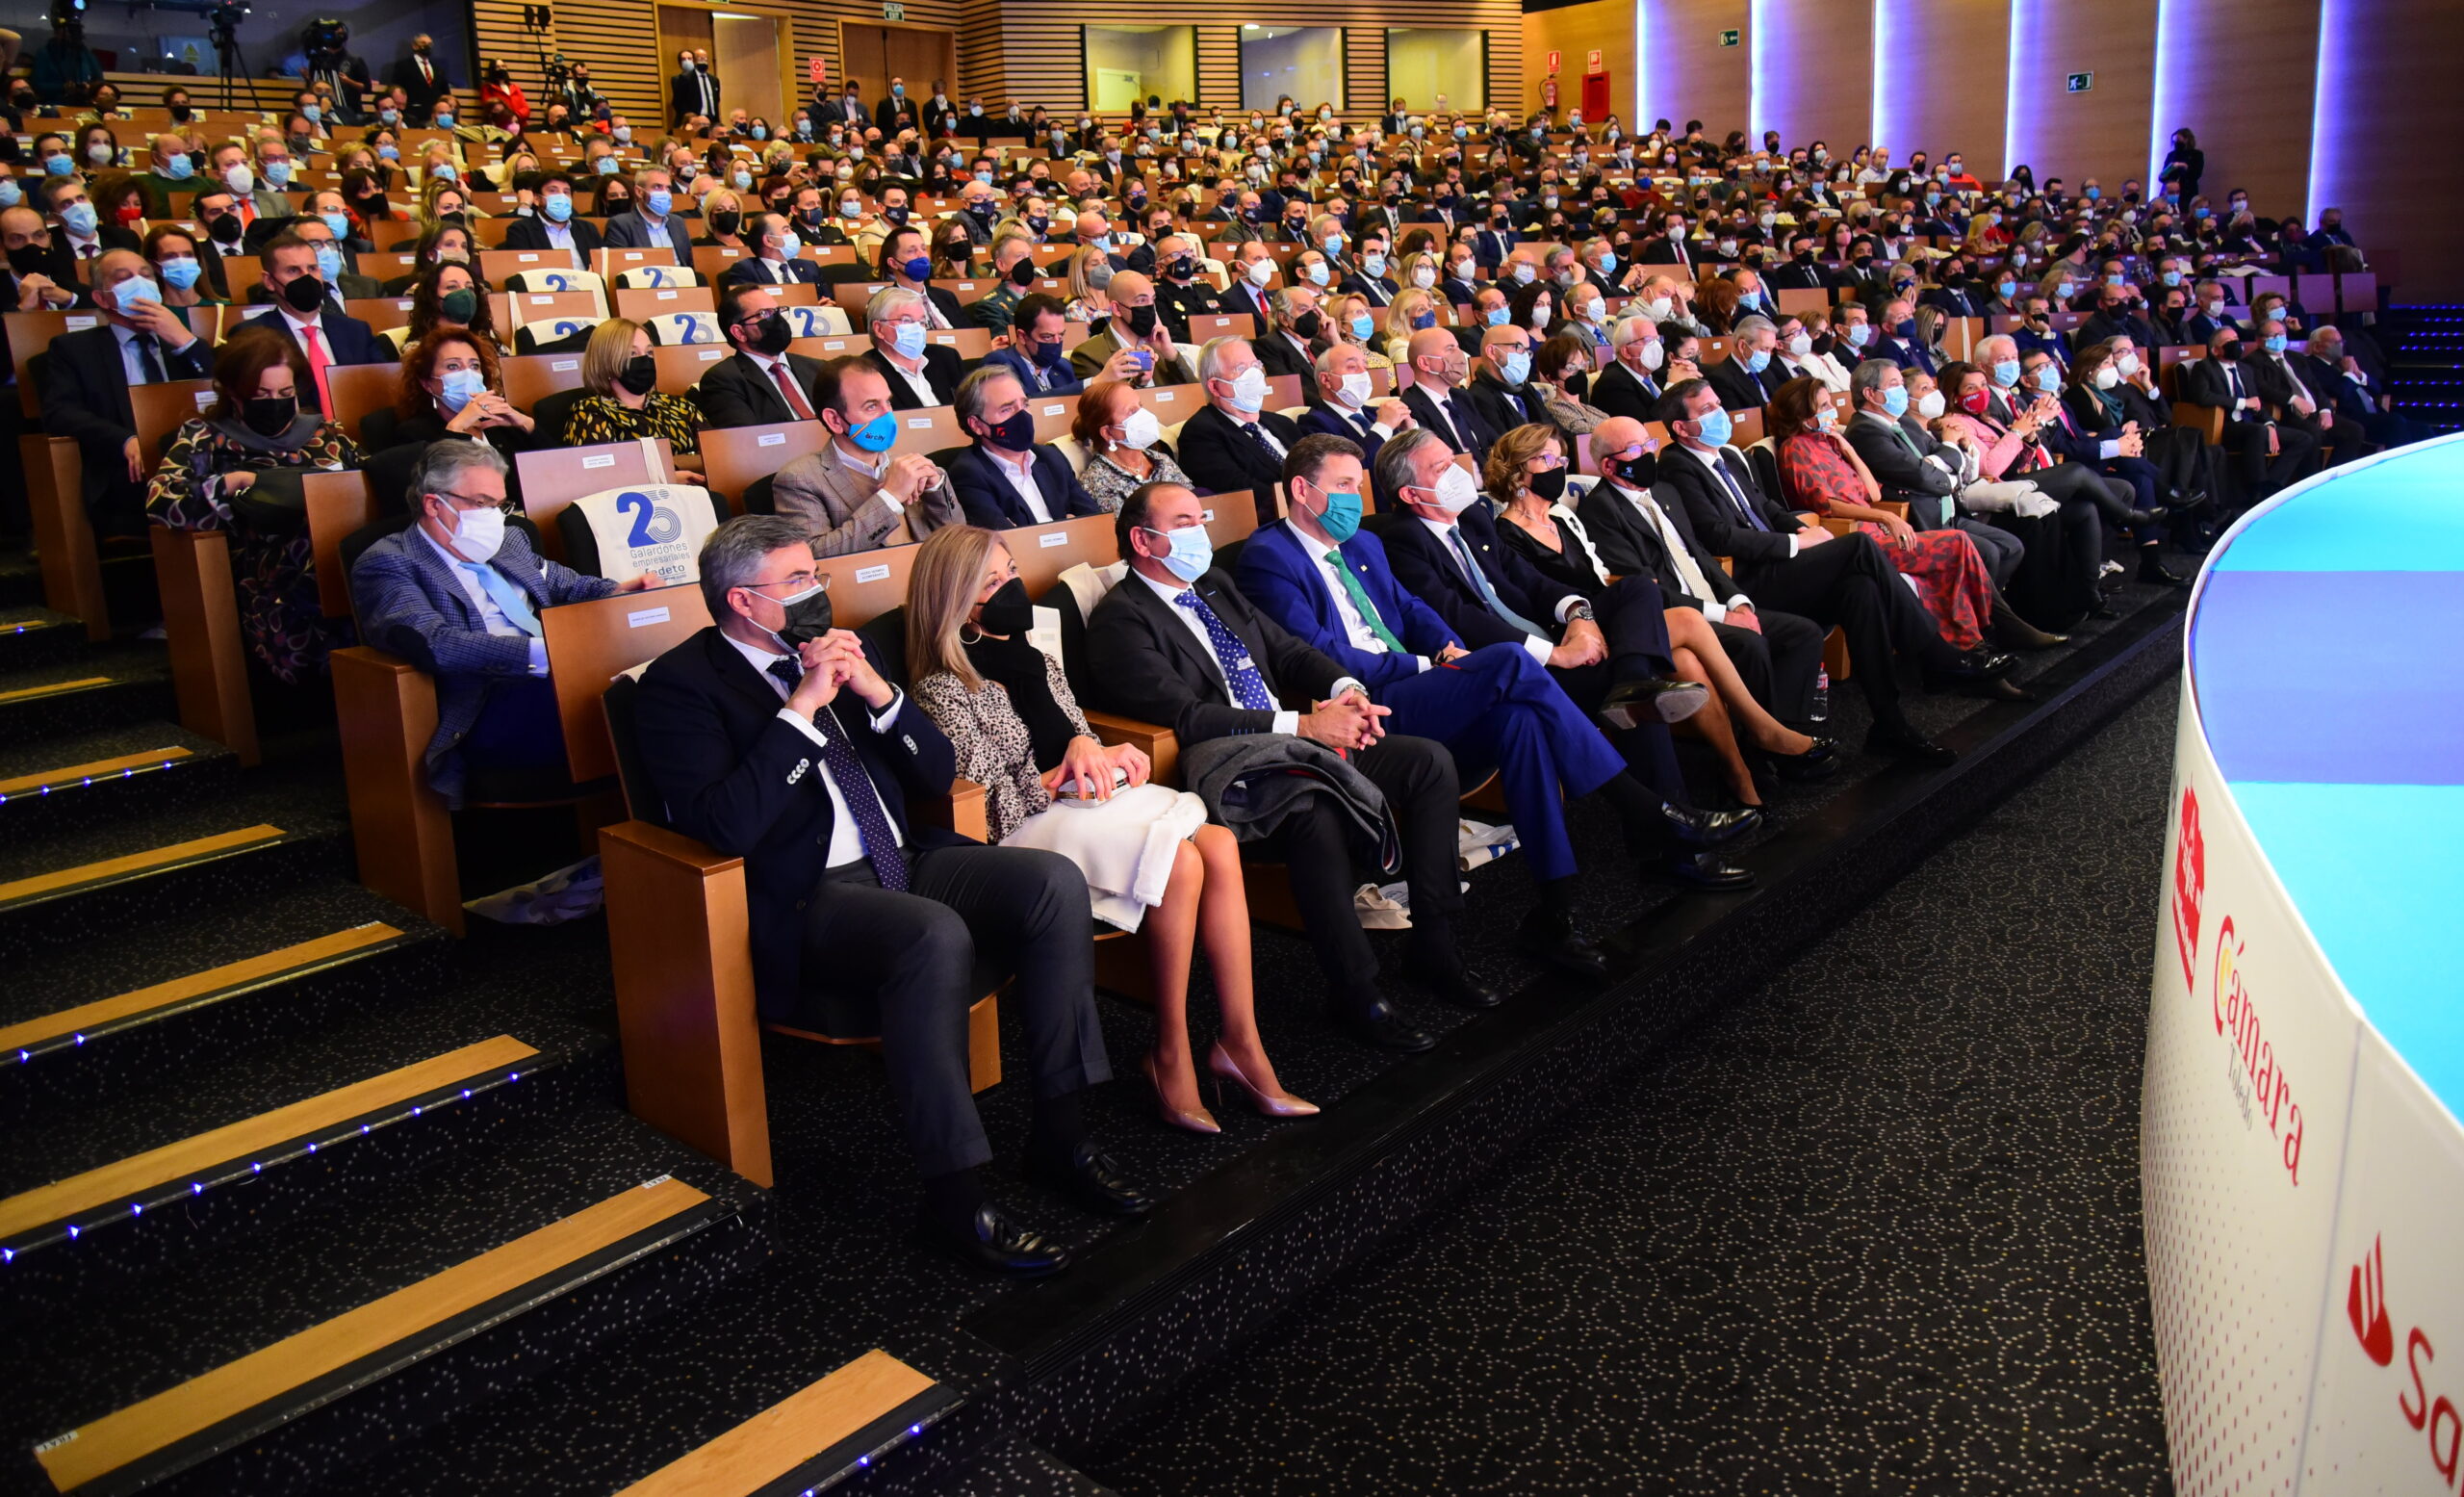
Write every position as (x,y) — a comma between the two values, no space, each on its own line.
(1537,646)
(846,843)
(1689,573)
(1356,629)
(1721,478)
(914,379)
(492,617)
(1285,721)
(1022,477)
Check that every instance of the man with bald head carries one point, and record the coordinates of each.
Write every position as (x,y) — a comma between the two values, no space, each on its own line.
(1435,396)
(1135,344)
(85,392)
(170,170)
(51,284)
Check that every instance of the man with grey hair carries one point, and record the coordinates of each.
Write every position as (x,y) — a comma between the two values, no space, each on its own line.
(920,373)
(1009,479)
(1927,474)
(1285,347)
(778,739)
(648,225)
(458,594)
(1746,380)
(1236,443)
(1629,386)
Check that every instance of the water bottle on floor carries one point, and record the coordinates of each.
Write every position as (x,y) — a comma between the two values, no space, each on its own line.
(1821,694)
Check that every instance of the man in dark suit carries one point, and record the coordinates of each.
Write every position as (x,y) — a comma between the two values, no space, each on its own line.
(1344,408)
(1776,654)
(693,91)
(920,373)
(1489,699)
(2113,317)
(1177,643)
(1791,563)
(2209,318)
(1923,472)
(774,737)
(1282,344)
(555,229)
(86,381)
(1670,248)
(307,314)
(422,80)
(1499,389)
(763,383)
(1746,380)
(648,223)
(775,262)
(907,265)
(1439,367)
(1800,273)
(2269,453)
(1008,479)
(1235,443)
(1629,386)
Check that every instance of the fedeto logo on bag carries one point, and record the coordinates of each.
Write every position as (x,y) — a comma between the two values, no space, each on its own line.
(2190,885)
(2237,1013)
(2433,1414)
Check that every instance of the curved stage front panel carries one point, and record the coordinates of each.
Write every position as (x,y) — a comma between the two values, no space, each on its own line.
(2302,1169)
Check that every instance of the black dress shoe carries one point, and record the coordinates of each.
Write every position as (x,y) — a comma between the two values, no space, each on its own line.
(2152,571)
(1090,1181)
(2104,610)
(1706,870)
(997,1245)
(1380,1025)
(1453,983)
(2017,634)
(2135,518)
(1818,763)
(1909,746)
(1977,664)
(1707,828)
(1553,939)
(1652,698)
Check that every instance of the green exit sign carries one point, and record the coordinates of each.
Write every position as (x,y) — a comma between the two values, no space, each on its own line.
(1728,39)
(2079,83)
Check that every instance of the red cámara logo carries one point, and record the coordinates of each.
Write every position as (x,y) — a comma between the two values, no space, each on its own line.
(2367,1304)
(2190,885)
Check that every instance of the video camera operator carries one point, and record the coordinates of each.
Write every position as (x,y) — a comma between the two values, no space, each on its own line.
(65,70)
(325,44)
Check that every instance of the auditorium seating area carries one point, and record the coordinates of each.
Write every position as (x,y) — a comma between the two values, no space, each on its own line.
(319,1180)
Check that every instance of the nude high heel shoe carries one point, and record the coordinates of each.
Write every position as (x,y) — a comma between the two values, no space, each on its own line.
(1278,1104)
(1199,1122)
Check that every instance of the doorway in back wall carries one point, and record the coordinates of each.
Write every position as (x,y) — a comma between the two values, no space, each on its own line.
(873,54)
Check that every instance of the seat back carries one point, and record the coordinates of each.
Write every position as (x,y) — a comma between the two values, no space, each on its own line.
(680,330)
(756,498)
(645,302)
(818,321)
(617,705)
(553,278)
(589,644)
(1762,459)
(659,276)
(555,335)
(619,533)
(552,477)
(733,457)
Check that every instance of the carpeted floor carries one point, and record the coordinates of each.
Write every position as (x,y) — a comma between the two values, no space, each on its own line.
(1874,1228)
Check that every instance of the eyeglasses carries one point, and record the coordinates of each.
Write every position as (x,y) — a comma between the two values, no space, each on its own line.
(799,581)
(472,500)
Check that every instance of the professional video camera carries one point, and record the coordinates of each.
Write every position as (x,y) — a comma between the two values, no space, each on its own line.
(223,19)
(68,21)
(556,70)
(325,42)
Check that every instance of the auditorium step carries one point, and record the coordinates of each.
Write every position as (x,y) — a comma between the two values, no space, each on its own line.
(90,688)
(117,774)
(96,882)
(31,635)
(2425,344)
(270,1364)
(191,989)
(814,1438)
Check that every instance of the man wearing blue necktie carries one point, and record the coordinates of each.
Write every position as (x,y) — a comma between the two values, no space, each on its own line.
(1346,408)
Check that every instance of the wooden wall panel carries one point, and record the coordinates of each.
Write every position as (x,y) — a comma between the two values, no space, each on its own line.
(1574,30)
(2393,109)
(1948,83)
(1365,69)
(1816,74)
(984,73)
(2241,76)
(1687,73)
(2103,132)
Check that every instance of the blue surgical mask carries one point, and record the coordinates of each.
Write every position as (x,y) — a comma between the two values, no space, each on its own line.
(558,206)
(11,194)
(445,172)
(1193,552)
(78,219)
(1363,326)
(1497,316)
(57,164)
(2006,290)
(314,114)
(338,222)
(2049,379)
(1517,368)
(2006,372)
(1608,262)
(1333,244)
(1896,401)
(1718,429)
(329,262)
(1372,266)
(444,120)
(875,435)
(2276,343)
(2064,291)
(660,200)
(179,272)
(395,153)
(909,340)
(762,132)
(1421,320)
(2172,278)
(459,387)
(1757,361)
(179,169)
(136,289)
(743,181)
(2094,192)
(605,166)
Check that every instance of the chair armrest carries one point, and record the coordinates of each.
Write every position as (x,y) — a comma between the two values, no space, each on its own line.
(2206,420)
(1838,526)
(960,811)
(1895,507)
(401,832)
(1162,748)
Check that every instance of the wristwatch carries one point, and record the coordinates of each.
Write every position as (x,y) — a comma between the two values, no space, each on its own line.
(1582,610)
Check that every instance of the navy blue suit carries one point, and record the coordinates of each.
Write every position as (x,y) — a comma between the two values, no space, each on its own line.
(347,339)
(991,501)
(1495,708)
(766,272)
(1034,378)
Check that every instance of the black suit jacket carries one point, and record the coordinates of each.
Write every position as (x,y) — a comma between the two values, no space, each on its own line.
(1738,388)
(753,272)
(83,386)
(1219,455)
(1279,357)
(940,372)
(730,771)
(1717,523)
(2204,382)
(1457,419)
(735,392)
(422,93)
(990,501)
(1630,546)
(1144,662)
(1502,409)
(1616,391)
(1903,474)
(533,234)
(1425,567)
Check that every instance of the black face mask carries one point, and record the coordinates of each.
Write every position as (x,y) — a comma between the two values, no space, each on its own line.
(725,222)
(269,416)
(1550,485)
(1180,267)
(808,619)
(1023,274)
(28,259)
(1306,324)
(1014,435)
(770,336)
(1009,610)
(639,374)
(225,228)
(304,294)
(1142,320)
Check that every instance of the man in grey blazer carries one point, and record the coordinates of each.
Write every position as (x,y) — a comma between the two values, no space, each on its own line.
(854,495)
(459,594)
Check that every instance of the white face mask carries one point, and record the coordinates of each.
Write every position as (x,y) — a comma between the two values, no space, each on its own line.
(1456,490)
(1654,354)
(1354,391)
(1249,390)
(2107,377)
(1929,404)
(1260,272)
(1424,277)
(478,534)
(2127,363)
(1658,309)
(1799,346)
(1142,430)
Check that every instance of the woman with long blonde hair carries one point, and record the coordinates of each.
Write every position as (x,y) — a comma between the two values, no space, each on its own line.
(1154,865)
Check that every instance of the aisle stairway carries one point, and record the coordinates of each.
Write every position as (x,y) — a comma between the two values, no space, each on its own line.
(2426,361)
(284,1177)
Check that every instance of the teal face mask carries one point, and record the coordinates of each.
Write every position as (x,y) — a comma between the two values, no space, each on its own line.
(1342,520)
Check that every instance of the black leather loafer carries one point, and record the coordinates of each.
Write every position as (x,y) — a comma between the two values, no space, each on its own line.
(1091,1182)
(997,1245)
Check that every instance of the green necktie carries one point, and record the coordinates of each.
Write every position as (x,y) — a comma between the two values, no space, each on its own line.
(1360,601)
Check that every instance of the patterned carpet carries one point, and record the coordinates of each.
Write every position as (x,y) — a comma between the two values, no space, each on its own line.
(1874,1228)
